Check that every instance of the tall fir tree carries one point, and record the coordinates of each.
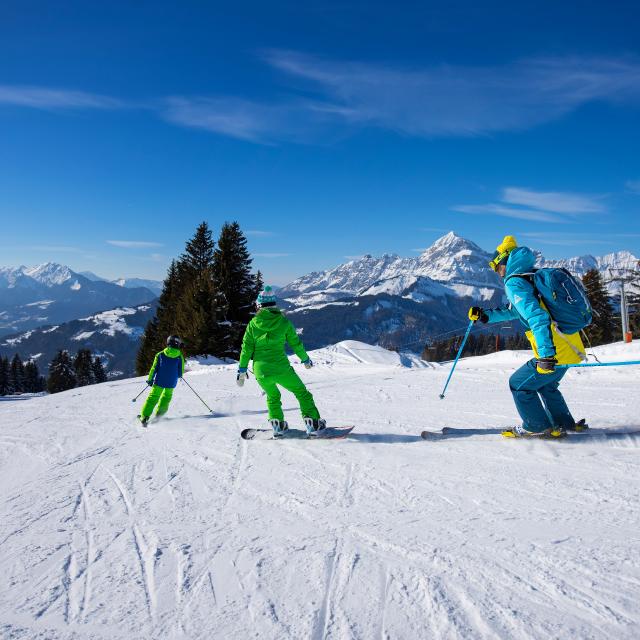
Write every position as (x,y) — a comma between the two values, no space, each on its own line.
(82,365)
(33,381)
(198,254)
(5,369)
(16,375)
(602,329)
(163,323)
(62,375)
(234,279)
(200,318)
(97,369)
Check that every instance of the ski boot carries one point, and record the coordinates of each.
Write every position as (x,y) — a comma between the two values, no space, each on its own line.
(520,432)
(144,420)
(279,427)
(581,425)
(313,425)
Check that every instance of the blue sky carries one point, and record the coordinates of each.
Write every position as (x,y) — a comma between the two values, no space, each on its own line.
(329,130)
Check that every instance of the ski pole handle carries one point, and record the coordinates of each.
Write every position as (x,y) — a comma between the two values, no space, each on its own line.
(455,362)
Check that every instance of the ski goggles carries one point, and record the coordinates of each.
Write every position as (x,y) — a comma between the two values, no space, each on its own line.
(498,259)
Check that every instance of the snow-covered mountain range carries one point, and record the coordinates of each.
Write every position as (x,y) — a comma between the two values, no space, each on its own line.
(52,293)
(113,335)
(129,283)
(451,266)
(403,302)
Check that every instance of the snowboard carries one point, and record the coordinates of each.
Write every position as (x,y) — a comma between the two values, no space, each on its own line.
(330,433)
(452,432)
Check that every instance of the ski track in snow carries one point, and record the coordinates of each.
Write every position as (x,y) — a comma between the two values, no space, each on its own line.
(183,530)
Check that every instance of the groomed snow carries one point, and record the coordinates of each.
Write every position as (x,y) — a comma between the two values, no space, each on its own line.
(183,530)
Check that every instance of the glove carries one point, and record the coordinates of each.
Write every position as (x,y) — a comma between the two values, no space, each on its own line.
(546,365)
(242,376)
(477,313)
(308,363)
(150,383)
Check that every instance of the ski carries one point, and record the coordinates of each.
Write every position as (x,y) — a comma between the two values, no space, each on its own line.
(453,432)
(330,433)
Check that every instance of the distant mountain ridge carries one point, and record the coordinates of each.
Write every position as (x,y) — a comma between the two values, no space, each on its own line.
(113,335)
(52,293)
(453,265)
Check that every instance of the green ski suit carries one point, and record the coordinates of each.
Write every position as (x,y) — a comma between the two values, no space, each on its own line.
(264,343)
(168,379)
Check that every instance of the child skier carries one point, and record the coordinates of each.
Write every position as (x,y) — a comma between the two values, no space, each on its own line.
(167,367)
(535,385)
(264,343)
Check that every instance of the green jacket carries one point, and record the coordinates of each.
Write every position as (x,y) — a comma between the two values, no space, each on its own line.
(264,343)
(167,367)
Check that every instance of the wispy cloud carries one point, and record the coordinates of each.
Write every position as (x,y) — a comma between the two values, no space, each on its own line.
(45,98)
(257,233)
(134,244)
(271,255)
(449,100)
(537,206)
(633,186)
(557,201)
(507,212)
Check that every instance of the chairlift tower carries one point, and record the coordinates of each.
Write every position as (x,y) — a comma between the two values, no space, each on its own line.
(624,276)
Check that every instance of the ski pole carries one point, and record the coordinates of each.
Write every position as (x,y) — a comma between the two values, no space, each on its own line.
(145,387)
(199,398)
(455,362)
(598,364)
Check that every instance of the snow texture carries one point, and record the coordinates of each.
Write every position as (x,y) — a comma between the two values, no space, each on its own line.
(183,530)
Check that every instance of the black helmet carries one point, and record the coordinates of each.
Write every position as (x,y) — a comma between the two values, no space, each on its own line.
(175,341)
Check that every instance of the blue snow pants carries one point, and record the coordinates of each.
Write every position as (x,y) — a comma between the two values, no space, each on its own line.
(538,399)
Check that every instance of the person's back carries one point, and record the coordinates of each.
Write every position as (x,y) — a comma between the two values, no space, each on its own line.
(264,342)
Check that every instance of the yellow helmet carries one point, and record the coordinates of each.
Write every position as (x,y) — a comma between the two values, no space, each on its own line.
(502,252)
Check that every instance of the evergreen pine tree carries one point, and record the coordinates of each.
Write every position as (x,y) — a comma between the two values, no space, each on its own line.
(199,251)
(5,369)
(33,381)
(61,373)
(200,318)
(602,329)
(97,369)
(163,323)
(259,284)
(16,375)
(82,365)
(233,278)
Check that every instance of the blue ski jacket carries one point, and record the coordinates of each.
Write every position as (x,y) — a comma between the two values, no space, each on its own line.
(524,305)
(167,368)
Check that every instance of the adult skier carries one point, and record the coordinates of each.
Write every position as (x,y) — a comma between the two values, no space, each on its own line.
(534,386)
(264,343)
(167,368)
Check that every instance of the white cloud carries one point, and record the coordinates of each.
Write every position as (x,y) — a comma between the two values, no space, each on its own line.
(133,244)
(271,255)
(449,100)
(44,98)
(259,233)
(508,212)
(633,186)
(556,201)
(537,206)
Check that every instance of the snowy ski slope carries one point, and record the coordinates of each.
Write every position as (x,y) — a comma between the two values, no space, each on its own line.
(110,531)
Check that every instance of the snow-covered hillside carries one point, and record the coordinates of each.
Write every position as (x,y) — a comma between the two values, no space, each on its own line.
(110,531)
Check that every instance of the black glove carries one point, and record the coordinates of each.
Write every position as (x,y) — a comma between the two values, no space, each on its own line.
(477,313)
(150,383)
(546,365)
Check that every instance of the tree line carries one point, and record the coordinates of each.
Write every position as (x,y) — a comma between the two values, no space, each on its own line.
(65,373)
(207,298)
